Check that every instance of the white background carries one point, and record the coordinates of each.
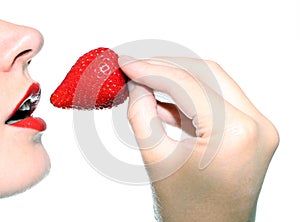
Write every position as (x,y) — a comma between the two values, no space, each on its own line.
(257,43)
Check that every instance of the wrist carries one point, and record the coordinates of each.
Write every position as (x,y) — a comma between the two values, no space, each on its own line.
(217,208)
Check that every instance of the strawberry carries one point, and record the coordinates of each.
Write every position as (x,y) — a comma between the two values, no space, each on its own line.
(95,81)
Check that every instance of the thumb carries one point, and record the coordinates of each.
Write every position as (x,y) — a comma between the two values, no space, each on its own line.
(146,124)
(162,155)
(142,115)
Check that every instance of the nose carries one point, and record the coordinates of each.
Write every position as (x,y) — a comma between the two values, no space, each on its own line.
(18,44)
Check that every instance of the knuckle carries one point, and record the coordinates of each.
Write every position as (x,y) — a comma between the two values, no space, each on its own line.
(181,74)
(270,136)
(246,131)
(213,65)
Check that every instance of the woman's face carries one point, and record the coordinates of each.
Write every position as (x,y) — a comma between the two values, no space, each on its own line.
(23,160)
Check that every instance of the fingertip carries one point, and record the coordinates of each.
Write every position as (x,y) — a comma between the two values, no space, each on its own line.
(130,86)
(141,98)
(138,90)
(126,64)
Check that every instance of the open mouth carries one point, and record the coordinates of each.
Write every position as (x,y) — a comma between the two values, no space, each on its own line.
(21,115)
(25,109)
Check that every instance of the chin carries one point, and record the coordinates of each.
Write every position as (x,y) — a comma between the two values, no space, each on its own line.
(23,166)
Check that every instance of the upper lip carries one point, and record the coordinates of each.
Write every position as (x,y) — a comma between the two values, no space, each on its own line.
(27,104)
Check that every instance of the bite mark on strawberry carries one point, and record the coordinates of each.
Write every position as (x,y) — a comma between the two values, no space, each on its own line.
(95,81)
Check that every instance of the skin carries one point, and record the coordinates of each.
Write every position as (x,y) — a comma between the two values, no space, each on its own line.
(23,159)
(227,187)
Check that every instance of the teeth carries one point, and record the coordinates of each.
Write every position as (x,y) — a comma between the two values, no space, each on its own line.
(12,121)
(26,106)
(30,103)
(35,98)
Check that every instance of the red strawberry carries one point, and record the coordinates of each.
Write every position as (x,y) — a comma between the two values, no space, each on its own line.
(95,81)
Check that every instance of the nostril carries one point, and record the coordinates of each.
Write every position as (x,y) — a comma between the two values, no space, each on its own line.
(22,54)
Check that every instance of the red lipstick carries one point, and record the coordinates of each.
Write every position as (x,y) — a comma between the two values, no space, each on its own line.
(22,114)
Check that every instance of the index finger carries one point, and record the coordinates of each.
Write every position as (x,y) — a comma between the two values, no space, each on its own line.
(185,90)
(194,98)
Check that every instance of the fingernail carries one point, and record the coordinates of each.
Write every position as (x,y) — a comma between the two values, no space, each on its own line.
(124,60)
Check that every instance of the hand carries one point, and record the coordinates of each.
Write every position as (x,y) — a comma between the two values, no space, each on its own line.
(216,173)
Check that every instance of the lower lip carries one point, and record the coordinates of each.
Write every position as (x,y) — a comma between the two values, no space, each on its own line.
(31,123)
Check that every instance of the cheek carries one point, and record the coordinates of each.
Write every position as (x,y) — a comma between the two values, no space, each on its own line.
(22,164)
(7,104)
(12,88)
